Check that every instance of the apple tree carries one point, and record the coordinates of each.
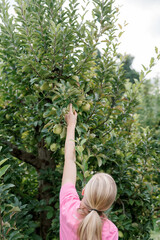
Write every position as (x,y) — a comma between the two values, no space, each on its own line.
(53,53)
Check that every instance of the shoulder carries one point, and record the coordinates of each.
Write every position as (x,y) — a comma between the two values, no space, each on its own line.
(69,203)
(110,231)
(68,193)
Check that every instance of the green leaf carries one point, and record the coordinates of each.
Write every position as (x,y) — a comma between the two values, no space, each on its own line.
(48,140)
(80,165)
(120,26)
(86,174)
(120,34)
(156,50)
(99,161)
(83,141)
(50,214)
(141,76)
(152,62)
(3,161)
(3,170)
(15,209)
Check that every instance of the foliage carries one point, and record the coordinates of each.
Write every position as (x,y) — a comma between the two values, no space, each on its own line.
(8,209)
(15,219)
(149,115)
(155,235)
(149,111)
(129,72)
(49,58)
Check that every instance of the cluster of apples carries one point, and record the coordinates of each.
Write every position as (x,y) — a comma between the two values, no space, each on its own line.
(85,107)
(58,129)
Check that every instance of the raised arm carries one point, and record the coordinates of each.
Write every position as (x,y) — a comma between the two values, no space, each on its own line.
(70,171)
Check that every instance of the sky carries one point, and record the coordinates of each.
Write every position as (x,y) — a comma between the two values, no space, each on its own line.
(142,33)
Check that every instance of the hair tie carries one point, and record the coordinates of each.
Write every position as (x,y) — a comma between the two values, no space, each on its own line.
(94,210)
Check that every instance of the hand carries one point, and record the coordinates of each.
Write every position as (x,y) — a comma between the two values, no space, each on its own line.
(71,118)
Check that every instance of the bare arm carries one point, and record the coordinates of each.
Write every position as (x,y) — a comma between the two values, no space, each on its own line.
(70,171)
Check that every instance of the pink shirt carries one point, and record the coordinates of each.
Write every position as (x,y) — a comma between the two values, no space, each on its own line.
(69,203)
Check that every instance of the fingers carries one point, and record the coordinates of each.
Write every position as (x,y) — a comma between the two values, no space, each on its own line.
(75,113)
(70,107)
(71,117)
(71,110)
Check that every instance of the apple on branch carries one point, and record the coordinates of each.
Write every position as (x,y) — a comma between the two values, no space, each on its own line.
(53,147)
(86,107)
(57,129)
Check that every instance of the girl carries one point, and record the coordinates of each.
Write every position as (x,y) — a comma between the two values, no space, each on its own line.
(85,219)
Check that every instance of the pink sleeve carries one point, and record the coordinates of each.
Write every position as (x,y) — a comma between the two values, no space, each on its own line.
(68,193)
(115,235)
(110,231)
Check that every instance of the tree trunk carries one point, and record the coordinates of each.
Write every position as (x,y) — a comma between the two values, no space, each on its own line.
(43,162)
(45,187)
(45,223)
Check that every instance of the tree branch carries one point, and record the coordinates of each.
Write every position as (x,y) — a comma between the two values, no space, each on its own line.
(23,155)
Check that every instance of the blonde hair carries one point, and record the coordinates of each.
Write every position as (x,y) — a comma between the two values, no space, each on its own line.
(100,193)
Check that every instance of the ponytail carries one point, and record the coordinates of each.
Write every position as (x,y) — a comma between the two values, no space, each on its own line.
(90,227)
(100,193)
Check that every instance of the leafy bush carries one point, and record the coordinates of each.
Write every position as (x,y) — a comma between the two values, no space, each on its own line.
(8,209)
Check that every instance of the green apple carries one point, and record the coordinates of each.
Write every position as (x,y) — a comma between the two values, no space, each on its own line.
(57,129)
(79,158)
(7,116)
(118,152)
(62,151)
(135,225)
(53,147)
(86,107)
(79,103)
(120,234)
